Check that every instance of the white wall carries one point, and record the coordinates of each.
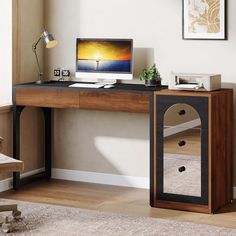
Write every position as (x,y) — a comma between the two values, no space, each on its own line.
(6,52)
(156,27)
(31,27)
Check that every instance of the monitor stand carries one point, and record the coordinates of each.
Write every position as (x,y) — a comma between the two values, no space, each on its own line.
(106,81)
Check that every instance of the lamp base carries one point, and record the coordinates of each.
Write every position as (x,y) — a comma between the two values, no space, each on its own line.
(40,82)
(47,81)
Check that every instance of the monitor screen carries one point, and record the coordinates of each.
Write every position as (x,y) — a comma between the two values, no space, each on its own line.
(104,58)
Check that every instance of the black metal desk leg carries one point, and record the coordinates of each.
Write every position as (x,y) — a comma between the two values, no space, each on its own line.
(48,141)
(16,142)
(152,144)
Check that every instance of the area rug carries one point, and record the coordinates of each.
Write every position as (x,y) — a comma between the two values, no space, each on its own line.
(51,220)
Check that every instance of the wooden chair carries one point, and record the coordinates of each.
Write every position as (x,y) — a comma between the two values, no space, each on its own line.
(8,164)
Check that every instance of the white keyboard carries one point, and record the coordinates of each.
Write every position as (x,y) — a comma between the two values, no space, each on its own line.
(83,85)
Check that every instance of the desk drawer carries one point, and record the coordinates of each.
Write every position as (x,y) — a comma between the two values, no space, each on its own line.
(54,98)
(116,101)
(73,98)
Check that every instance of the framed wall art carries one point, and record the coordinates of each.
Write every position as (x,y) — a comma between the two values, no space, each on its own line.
(204,19)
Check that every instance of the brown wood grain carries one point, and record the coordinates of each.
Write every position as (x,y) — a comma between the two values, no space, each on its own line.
(210,153)
(221,149)
(68,98)
(121,101)
(219,156)
(56,98)
(183,206)
(229,146)
(191,93)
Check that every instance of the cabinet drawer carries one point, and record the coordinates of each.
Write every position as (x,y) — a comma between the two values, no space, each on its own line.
(182,174)
(184,142)
(181,115)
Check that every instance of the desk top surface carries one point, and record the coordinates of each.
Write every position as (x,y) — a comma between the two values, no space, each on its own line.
(118,87)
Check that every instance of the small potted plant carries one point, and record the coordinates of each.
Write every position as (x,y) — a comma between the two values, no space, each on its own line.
(151,76)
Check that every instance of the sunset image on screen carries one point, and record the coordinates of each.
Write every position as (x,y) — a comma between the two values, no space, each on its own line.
(104,55)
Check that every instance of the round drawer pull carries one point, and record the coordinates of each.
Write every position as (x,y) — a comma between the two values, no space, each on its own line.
(182,112)
(182,169)
(181,143)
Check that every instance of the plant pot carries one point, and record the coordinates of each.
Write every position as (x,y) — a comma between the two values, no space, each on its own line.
(153,82)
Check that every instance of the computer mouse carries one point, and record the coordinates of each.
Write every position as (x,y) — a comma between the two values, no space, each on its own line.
(107,86)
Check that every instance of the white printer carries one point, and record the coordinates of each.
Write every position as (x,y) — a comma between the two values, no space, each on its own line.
(190,81)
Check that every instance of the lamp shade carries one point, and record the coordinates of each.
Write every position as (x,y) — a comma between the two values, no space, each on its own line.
(49,40)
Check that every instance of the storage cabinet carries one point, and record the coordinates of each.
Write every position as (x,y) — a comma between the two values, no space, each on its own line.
(191,168)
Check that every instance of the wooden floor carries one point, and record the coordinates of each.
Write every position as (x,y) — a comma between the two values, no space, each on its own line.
(114,199)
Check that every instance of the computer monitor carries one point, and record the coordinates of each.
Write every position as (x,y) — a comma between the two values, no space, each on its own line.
(105,60)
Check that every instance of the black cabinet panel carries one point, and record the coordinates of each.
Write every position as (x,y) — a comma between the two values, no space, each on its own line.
(185,165)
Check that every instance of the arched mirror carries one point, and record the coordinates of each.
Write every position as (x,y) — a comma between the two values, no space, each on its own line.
(182,151)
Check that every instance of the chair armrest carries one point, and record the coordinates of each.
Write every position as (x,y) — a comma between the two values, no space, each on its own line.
(8,164)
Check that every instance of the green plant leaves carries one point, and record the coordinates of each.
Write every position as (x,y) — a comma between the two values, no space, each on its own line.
(150,74)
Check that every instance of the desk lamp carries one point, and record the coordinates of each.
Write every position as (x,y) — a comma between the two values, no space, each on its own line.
(50,42)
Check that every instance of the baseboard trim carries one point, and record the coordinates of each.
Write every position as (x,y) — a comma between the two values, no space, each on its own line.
(6,184)
(101,178)
(89,177)
(108,179)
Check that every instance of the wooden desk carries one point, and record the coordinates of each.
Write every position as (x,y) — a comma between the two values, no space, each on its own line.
(122,98)
(214,110)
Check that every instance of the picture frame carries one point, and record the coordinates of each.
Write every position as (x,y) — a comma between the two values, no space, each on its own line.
(204,20)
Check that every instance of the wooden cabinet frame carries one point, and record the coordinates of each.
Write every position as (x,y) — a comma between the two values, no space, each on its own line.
(219,130)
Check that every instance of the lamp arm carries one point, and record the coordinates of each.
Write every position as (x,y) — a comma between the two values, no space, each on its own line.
(34,48)
(40,73)
(36,44)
